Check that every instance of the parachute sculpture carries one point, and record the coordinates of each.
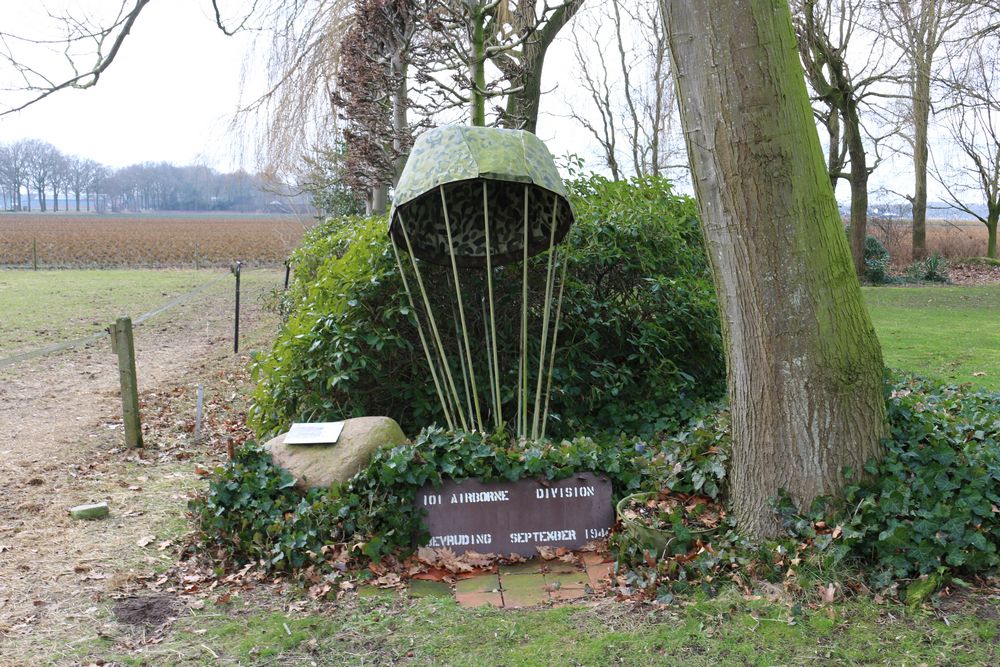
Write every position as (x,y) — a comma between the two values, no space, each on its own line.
(477,197)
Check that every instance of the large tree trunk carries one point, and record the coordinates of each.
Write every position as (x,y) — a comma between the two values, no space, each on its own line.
(921,114)
(804,365)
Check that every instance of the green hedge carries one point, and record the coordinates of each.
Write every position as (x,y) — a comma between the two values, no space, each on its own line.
(252,513)
(931,506)
(639,339)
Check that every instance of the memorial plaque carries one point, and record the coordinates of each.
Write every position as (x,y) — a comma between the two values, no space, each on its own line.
(516,517)
(321,433)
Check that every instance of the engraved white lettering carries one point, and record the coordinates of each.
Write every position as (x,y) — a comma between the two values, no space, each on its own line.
(543,536)
(565,492)
(480,497)
(460,540)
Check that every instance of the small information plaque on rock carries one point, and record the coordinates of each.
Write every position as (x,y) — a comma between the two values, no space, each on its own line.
(517,517)
(322,433)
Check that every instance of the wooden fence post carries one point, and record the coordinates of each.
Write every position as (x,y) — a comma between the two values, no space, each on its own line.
(121,342)
(237,266)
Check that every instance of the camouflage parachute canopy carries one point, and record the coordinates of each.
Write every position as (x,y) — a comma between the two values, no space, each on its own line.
(462,161)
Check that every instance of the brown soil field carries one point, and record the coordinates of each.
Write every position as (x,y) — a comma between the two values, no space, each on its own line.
(147,240)
(951,239)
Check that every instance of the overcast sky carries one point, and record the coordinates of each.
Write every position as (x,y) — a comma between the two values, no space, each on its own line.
(168,96)
(176,84)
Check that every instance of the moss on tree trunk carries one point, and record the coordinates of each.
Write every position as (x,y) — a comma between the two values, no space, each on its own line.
(804,365)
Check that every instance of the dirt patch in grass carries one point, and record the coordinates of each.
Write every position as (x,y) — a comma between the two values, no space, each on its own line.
(979,273)
(149,610)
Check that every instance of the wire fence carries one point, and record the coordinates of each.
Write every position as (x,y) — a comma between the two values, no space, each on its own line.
(96,336)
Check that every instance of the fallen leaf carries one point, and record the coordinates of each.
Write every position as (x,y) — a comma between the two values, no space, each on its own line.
(547,553)
(146,540)
(828,593)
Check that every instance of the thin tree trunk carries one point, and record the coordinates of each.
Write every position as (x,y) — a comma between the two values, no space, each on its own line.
(991,227)
(400,125)
(379,200)
(477,69)
(921,114)
(522,105)
(834,165)
(804,365)
(859,189)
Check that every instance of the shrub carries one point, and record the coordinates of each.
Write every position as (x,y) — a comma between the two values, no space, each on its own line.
(930,506)
(877,261)
(876,258)
(933,502)
(934,269)
(252,513)
(639,339)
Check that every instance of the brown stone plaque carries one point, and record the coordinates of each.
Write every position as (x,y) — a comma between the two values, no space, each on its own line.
(516,517)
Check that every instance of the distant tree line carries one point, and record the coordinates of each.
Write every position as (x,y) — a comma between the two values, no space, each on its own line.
(35,174)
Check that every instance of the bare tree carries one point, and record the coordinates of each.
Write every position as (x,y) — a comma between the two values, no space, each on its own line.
(629,84)
(14,171)
(920,28)
(371,95)
(80,172)
(101,43)
(974,128)
(59,178)
(42,161)
(6,191)
(825,30)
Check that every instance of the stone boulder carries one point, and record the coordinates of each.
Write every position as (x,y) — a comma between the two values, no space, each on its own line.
(323,465)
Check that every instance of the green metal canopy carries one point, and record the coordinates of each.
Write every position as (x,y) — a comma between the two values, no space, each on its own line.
(481,186)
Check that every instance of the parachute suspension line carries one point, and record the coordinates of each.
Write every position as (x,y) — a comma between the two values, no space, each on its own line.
(492,334)
(461,313)
(461,358)
(434,329)
(522,428)
(549,288)
(423,340)
(555,335)
(489,364)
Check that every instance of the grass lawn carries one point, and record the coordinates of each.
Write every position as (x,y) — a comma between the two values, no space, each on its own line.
(946,332)
(728,630)
(39,308)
